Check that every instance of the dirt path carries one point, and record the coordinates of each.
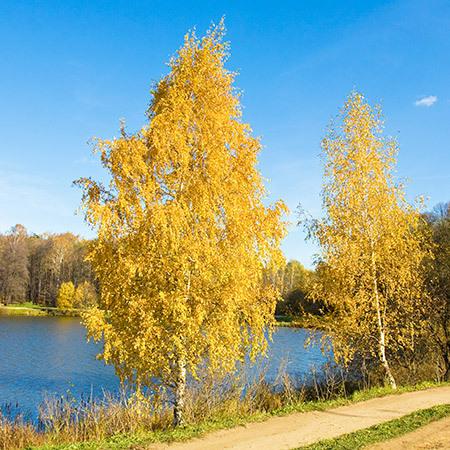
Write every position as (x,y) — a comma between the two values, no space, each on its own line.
(299,429)
(435,435)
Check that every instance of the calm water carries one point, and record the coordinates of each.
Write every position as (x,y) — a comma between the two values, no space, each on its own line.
(49,355)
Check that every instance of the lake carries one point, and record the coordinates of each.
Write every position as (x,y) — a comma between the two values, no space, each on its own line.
(41,356)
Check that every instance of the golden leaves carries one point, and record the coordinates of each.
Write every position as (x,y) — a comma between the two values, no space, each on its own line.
(372,247)
(66,295)
(183,234)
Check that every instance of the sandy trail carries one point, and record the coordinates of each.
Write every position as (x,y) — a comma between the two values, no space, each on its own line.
(298,429)
(435,435)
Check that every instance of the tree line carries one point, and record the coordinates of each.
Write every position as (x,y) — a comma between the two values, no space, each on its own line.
(34,267)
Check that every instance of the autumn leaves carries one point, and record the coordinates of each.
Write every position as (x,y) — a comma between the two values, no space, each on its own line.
(184,235)
(373,244)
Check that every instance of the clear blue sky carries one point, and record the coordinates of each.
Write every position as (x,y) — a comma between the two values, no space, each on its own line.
(71,69)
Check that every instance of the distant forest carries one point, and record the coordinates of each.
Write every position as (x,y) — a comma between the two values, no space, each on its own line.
(37,268)
(33,267)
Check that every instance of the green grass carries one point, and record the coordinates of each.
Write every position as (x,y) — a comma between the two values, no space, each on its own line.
(382,432)
(283,318)
(123,441)
(22,309)
(31,309)
(25,305)
(286,321)
(306,321)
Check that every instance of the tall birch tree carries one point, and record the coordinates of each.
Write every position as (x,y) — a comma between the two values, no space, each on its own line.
(183,234)
(371,246)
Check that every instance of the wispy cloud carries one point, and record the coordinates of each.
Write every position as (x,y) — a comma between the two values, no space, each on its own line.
(427,101)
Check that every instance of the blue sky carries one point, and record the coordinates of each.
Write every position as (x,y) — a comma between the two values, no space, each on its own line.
(71,70)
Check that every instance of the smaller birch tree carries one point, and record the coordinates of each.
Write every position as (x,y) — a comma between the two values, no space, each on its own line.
(372,249)
(66,295)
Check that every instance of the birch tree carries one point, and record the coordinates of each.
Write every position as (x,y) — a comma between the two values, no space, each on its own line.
(66,295)
(371,246)
(183,234)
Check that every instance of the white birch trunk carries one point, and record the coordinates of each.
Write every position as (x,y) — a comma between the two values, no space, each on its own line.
(381,332)
(180,390)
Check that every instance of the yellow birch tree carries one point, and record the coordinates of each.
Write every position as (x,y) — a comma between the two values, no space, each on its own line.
(66,295)
(183,234)
(372,250)
(85,295)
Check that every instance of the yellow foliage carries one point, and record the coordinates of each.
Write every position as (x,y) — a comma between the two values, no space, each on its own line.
(372,247)
(183,234)
(85,295)
(66,295)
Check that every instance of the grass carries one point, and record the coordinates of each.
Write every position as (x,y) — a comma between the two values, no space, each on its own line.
(25,305)
(224,420)
(22,309)
(305,321)
(382,432)
(31,309)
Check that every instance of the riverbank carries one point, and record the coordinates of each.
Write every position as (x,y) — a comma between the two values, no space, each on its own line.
(46,311)
(111,423)
(29,309)
(308,322)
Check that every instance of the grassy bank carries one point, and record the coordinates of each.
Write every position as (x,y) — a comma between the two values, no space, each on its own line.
(120,425)
(307,321)
(21,311)
(30,309)
(384,431)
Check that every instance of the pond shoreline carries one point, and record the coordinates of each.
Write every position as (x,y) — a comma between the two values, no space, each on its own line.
(50,356)
(38,311)
(46,311)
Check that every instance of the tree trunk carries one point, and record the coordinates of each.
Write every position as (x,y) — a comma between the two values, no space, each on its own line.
(180,383)
(446,358)
(180,389)
(447,371)
(381,337)
(390,378)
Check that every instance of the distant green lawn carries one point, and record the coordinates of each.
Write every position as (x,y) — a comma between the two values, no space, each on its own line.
(31,309)
(22,309)
(24,305)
